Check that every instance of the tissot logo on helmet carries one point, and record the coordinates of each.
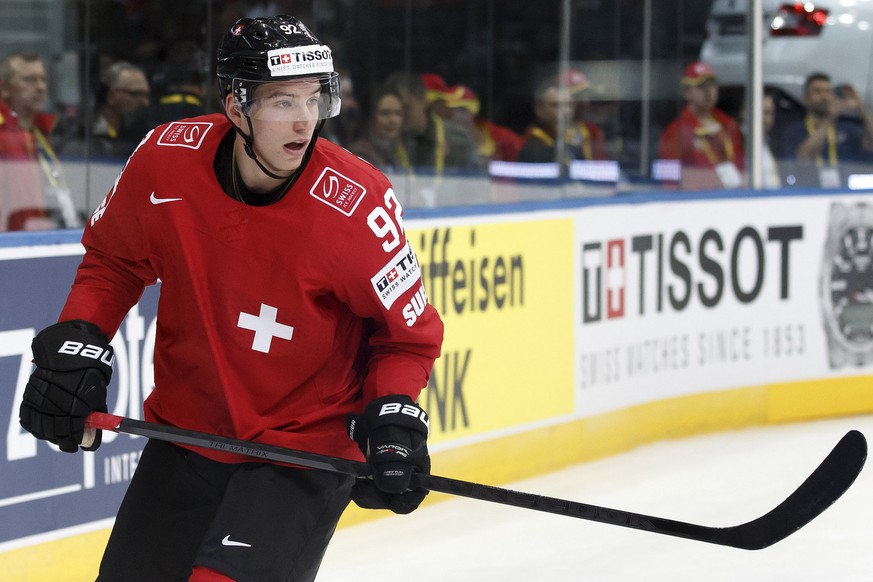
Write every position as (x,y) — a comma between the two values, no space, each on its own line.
(300,60)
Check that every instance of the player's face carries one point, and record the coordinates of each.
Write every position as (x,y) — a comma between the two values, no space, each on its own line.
(283,117)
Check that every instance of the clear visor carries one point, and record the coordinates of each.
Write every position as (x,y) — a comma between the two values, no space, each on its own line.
(294,100)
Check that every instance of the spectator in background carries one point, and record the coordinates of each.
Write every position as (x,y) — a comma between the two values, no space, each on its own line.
(430,140)
(706,140)
(834,130)
(30,175)
(183,92)
(436,90)
(346,128)
(554,101)
(597,111)
(493,142)
(583,134)
(124,90)
(435,146)
(382,142)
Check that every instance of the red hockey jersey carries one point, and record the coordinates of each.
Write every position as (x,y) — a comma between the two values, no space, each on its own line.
(274,322)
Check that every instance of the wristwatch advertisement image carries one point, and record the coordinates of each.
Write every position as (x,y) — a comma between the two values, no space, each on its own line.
(846,289)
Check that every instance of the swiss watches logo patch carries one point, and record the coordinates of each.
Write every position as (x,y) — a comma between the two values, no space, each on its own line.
(188,134)
(397,277)
(338,191)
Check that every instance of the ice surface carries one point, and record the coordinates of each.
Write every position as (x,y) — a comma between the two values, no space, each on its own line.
(717,480)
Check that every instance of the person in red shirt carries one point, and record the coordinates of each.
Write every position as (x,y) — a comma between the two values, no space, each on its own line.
(705,140)
(291,304)
(29,168)
(494,142)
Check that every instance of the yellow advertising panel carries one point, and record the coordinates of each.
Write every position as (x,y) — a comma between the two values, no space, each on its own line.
(502,289)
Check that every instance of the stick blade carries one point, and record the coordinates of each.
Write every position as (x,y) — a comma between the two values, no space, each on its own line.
(822,488)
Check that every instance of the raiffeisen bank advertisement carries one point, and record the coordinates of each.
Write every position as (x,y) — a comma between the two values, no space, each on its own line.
(502,288)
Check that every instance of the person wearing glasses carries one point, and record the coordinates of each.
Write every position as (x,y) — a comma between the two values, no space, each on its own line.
(124,91)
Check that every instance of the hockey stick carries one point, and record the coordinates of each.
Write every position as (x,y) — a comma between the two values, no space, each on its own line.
(821,489)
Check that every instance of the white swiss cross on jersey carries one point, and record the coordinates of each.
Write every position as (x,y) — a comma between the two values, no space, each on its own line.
(265,326)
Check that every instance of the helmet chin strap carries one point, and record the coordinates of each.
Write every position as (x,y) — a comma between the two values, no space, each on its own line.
(250,151)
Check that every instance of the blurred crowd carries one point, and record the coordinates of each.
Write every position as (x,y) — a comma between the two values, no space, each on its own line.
(415,125)
(424,130)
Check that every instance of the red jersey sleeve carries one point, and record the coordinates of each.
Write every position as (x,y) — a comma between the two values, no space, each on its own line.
(378,276)
(405,332)
(115,268)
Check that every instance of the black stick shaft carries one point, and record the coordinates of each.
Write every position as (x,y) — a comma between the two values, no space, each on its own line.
(820,490)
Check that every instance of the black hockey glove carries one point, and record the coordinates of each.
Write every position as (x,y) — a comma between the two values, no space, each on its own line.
(73,367)
(392,434)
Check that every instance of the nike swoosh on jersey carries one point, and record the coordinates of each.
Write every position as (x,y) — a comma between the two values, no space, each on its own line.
(229,542)
(155,200)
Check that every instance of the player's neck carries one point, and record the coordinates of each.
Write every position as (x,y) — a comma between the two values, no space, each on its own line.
(252,176)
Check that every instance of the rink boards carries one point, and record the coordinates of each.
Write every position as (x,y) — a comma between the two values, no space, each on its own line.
(574,330)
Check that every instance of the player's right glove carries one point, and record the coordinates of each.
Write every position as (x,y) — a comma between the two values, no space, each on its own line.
(392,434)
(73,367)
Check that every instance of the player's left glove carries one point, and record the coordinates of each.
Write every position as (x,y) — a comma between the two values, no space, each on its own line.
(392,434)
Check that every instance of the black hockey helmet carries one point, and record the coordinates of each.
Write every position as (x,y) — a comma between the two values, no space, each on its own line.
(275,49)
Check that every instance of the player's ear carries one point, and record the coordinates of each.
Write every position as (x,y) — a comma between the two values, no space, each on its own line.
(233,108)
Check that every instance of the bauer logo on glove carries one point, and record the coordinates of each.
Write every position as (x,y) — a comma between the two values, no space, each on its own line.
(87,351)
(408,409)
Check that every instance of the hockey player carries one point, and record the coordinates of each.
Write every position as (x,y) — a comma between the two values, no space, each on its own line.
(285,275)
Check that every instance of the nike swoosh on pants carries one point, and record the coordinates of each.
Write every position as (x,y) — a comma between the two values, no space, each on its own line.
(229,542)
